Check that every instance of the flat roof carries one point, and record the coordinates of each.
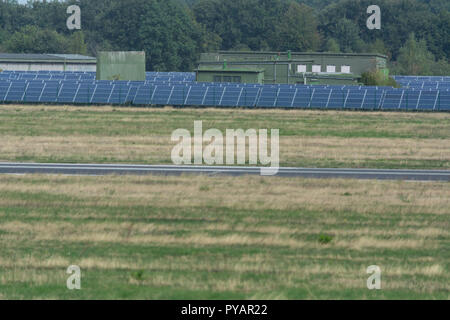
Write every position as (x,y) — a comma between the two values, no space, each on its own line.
(33,57)
(368,54)
(230,69)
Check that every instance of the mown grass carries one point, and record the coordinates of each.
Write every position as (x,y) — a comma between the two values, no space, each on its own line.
(197,237)
(308,138)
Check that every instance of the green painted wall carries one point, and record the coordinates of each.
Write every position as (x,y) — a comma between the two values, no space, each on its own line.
(238,76)
(124,65)
(282,67)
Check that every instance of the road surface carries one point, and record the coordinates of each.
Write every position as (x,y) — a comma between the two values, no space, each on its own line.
(105,169)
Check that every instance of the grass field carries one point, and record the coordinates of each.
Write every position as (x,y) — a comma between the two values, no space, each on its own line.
(242,238)
(308,138)
(199,237)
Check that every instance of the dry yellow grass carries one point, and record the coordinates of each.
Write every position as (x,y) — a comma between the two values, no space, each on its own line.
(308,138)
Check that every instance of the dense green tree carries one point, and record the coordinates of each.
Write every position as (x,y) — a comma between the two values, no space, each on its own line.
(32,39)
(297,30)
(414,57)
(174,32)
(332,45)
(77,43)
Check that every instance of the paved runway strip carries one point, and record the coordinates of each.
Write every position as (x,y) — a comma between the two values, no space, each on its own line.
(105,169)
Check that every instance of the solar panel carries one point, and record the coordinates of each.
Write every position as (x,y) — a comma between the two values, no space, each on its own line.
(355,98)
(102,92)
(392,99)
(4,88)
(51,91)
(196,96)
(428,100)
(67,92)
(320,98)
(303,97)
(443,102)
(33,91)
(231,96)
(119,93)
(410,100)
(162,94)
(267,97)
(213,95)
(372,100)
(248,96)
(16,91)
(285,97)
(337,99)
(144,95)
(84,93)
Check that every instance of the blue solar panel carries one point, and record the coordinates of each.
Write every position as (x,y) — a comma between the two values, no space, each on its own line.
(102,92)
(213,95)
(267,97)
(337,99)
(248,96)
(174,89)
(196,96)
(51,91)
(144,95)
(428,100)
(392,99)
(33,91)
(84,93)
(119,93)
(354,99)
(162,94)
(410,100)
(372,100)
(320,98)
(302,98)
(68,91)
(443,102)
(285,97)
(231,96)
(16,91)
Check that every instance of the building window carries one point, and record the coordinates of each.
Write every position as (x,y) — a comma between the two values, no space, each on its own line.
(237,79)
(316,68)
(345,69)
(227,79)
(331,69)
(217,79)
(301,68)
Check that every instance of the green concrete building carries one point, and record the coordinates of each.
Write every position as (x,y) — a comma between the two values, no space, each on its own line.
(287,67)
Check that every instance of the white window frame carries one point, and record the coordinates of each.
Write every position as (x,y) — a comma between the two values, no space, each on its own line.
(346,69)
(316,68)
(301,68)
(331,69)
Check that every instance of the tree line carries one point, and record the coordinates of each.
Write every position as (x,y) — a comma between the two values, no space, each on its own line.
(415,34)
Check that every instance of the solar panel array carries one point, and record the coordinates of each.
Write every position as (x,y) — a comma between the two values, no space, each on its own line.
(86,76)
(424,82)
(175,89)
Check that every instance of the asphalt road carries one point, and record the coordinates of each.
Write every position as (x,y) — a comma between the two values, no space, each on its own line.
(105,169)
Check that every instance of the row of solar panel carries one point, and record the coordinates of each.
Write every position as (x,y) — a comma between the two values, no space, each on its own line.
(80,76)
(422,78)
(425,85)
(205,84)
(197,95)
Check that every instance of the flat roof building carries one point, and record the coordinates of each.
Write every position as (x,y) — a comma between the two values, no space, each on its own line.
(46,62)
(288,67)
